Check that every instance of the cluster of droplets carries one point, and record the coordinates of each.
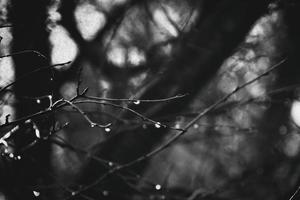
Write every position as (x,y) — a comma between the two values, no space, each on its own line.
(106,129)
(10,155)
(157,125)
(49,97)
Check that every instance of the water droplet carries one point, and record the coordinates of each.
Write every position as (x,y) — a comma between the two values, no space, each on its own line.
(157,125)
(137,102)
(37,133)
(162,197)
(157,187)
(5,150)
(36,193)
(144,126)
(19,157)
(177,126)
(105,193)
(11,155)
(107,129)
(38,101)
(73,193)
(110,164)
(92,125)
(195,126)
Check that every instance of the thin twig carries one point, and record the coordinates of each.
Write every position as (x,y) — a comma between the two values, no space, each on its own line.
(295,193)
(86,117)
(33,72)
(137,101)
(23,52)
(178,135)
(143,117)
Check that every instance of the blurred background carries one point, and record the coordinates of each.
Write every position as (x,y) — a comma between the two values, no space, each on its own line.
(245,148)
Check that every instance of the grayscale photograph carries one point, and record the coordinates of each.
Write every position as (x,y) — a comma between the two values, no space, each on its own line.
(149,99)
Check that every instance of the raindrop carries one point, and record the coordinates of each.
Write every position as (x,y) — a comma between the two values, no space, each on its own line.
(18,157)
(157,187)
(37,133)
(92,125)
(137,102)
(5,150)
(36,193)
(177,126)
(38,101)
(107,130)
(11,155)
(157,125)
(73,193)
(144,126)
(110,164)
(196,126)
(105,193)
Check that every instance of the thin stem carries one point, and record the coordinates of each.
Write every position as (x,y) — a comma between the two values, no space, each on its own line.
(178,135)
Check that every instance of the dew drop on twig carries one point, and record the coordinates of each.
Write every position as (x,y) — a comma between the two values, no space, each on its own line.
(38,101)
(157,187)
(37,133)
(137,102)
(107,129)
(36,193)
(177,126)
(105,193)
(73,193)
(157,125)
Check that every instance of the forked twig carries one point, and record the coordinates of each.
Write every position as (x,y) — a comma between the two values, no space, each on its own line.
(178,135)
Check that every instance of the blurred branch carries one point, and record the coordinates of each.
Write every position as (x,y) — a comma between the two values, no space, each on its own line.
(6,26)
(295,193)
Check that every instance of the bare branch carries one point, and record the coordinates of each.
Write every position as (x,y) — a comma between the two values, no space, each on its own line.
(24,52)
(178,135)
(33,72)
